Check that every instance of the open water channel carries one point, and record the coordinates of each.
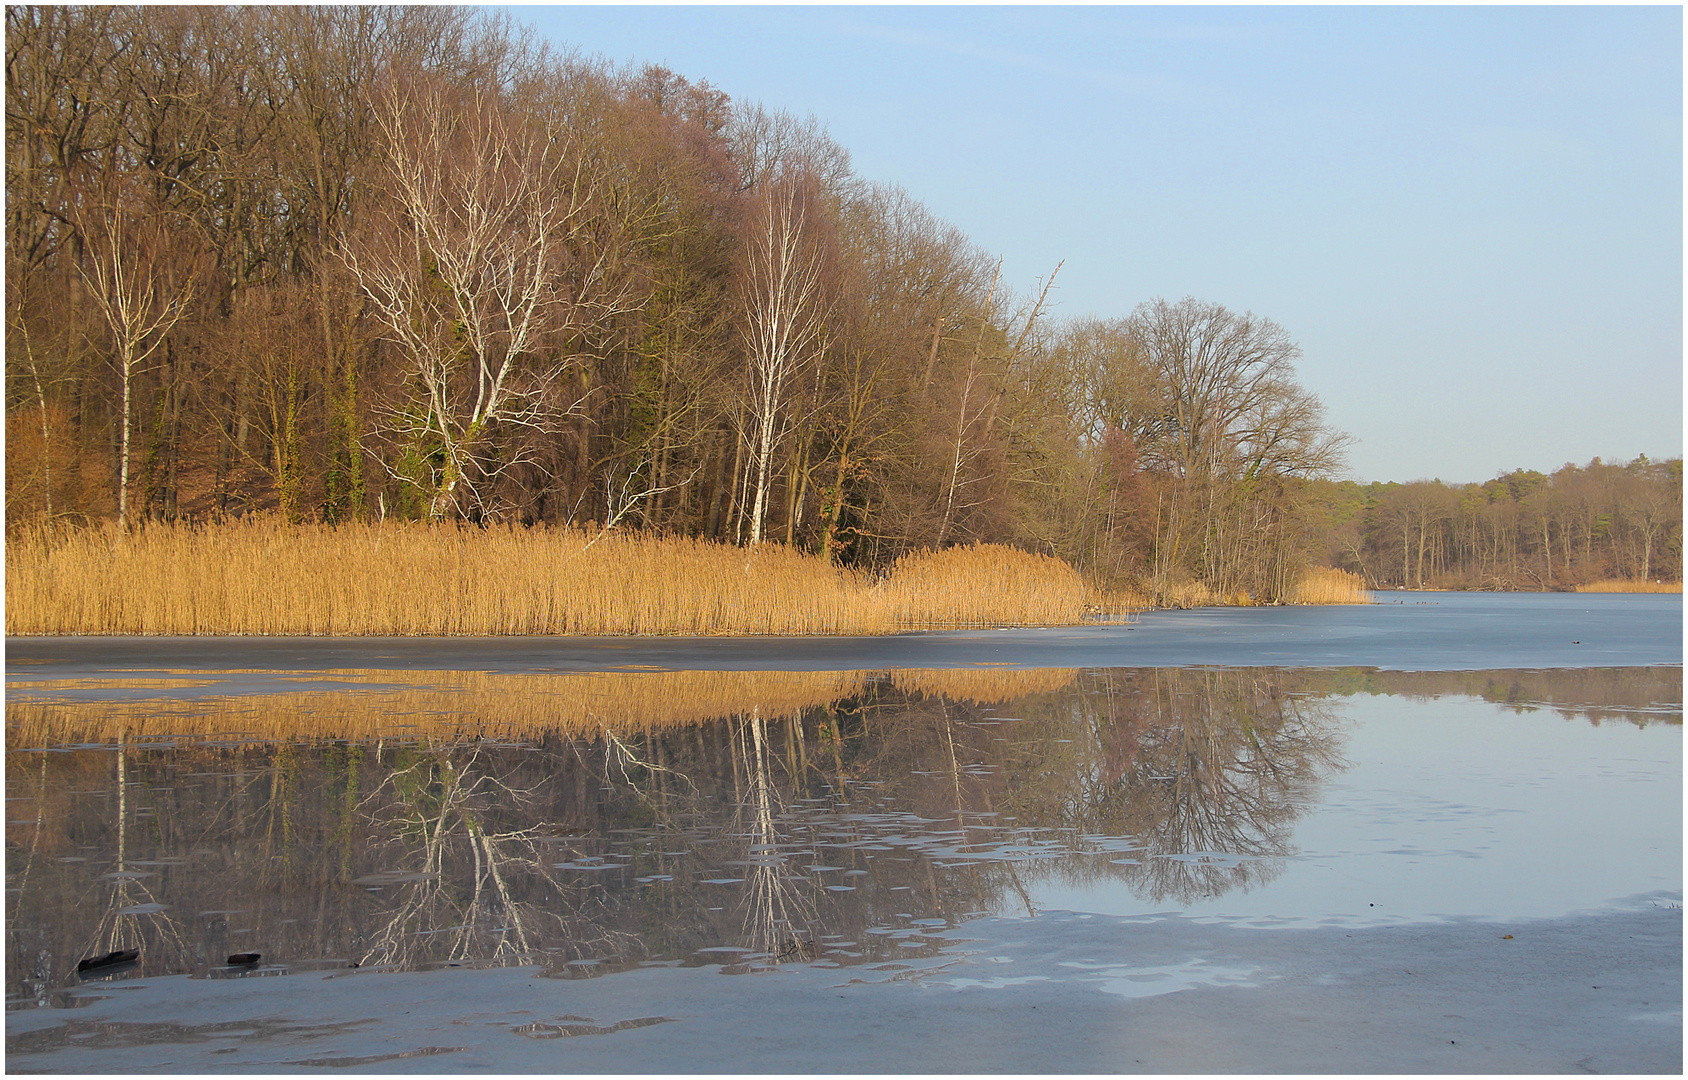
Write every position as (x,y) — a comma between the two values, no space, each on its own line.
(1438,833)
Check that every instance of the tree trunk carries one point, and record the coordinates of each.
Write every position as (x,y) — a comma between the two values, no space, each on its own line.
(829,531)
(735,509)
(797,485)
(1423,526)
(46,436)
(123,450)
(764,455)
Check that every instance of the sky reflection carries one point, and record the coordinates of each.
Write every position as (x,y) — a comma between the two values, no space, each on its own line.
(591,823)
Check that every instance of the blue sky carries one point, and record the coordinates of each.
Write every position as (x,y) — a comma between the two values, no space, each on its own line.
(1470,218)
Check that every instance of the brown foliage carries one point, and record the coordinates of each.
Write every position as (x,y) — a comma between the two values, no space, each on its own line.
(408,263)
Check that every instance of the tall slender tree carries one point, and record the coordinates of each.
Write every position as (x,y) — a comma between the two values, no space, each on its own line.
(784,310)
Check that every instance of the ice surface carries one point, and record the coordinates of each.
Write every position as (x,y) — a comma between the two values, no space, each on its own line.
(1060,993)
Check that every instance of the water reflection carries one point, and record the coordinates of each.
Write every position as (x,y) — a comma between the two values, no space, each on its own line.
(1215,769)
(473,881)
(591,823)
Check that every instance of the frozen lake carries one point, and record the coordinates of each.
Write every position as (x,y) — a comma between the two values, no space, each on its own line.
(1411,631)
(460,856)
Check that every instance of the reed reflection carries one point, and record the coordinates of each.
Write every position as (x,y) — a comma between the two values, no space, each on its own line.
(595,822)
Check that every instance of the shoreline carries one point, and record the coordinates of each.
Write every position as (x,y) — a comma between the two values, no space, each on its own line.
(1127,618)
(1560,631)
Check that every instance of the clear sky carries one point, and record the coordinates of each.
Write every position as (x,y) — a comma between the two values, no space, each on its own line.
(1470,218)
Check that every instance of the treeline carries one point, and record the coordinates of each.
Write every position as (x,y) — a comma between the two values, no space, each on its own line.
(1521,530)
(366,263)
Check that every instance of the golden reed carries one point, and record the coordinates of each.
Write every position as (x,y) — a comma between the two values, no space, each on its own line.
(1317,585)
(1620,585)
(266,578)
(1328,585)
(367,705)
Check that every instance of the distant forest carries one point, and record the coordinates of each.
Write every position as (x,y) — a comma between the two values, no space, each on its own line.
(359,263)
(1522,530)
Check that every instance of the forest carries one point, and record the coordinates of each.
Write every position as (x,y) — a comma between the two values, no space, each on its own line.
(357,264)
(1523,530)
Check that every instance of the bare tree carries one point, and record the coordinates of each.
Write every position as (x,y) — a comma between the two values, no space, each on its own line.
(1228,424)
(18,282)
(961,454)
(764,144)
(785,311)
(1649,509)
(141,283)
(1227,400)
(463,270)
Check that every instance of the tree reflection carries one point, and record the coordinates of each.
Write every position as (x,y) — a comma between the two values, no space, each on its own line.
(776,913)
(1206,771)
(131,905)
(466,881)
(1217,767)
(929,795)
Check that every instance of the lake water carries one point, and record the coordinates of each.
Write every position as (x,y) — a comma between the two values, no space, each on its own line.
(598,811)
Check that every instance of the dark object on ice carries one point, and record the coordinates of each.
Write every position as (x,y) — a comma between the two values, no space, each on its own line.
(121,956)
(244,958)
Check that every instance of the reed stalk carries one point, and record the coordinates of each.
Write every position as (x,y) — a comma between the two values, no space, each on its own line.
(1328,585)
(369,705)
(1622,585)
(1317,585)
(263,577)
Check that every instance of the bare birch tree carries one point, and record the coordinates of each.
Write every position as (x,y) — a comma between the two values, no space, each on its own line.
(141,284)
(464,268)
(784,310)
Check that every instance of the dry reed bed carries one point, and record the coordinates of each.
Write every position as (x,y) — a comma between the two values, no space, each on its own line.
(1620,585)
(1328,585)
(264,578)
(473,704)
(1317,585)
